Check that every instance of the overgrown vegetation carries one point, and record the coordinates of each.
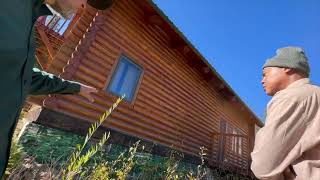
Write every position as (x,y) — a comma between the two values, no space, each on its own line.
(116,169)
(95,160)
(78,159)
(16,154)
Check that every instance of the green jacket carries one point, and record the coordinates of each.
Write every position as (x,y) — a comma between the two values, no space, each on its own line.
(18,77)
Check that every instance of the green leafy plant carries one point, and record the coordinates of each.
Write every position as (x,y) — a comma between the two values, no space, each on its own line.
(117,169)
(16,154)
(78,159)
(201,171)
(172,166)
(126,163)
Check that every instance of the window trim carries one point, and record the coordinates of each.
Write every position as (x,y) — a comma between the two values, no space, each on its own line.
(112,71)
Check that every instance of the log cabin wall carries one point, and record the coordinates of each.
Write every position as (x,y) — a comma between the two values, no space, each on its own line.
(174,104)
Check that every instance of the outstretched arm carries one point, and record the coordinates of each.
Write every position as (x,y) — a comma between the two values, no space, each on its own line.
(44,83)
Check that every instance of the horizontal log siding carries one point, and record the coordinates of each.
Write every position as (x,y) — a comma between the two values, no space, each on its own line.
(174,104)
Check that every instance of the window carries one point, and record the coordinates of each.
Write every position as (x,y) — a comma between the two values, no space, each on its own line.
(125,79)
(240,146)
(236,142)
(57,23)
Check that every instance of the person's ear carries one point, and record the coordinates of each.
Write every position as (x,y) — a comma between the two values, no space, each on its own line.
(289,71)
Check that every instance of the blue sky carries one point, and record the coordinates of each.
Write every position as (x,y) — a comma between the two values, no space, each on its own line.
(236,37)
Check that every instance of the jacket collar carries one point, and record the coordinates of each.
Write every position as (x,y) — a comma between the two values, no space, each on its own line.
(299,82)
(295,84)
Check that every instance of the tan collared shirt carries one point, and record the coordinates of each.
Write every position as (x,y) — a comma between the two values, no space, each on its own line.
(291,135)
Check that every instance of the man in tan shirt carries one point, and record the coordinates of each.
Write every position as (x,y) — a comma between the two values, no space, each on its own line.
(288,146)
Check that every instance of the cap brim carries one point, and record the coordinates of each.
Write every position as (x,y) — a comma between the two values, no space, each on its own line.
(100,4)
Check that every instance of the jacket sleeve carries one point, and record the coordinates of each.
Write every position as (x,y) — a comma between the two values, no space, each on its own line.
(277,143)
(44,83)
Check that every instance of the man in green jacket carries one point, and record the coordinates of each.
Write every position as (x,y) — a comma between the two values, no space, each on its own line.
(18,77)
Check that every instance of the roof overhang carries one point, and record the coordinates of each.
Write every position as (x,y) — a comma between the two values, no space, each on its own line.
(155,16)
